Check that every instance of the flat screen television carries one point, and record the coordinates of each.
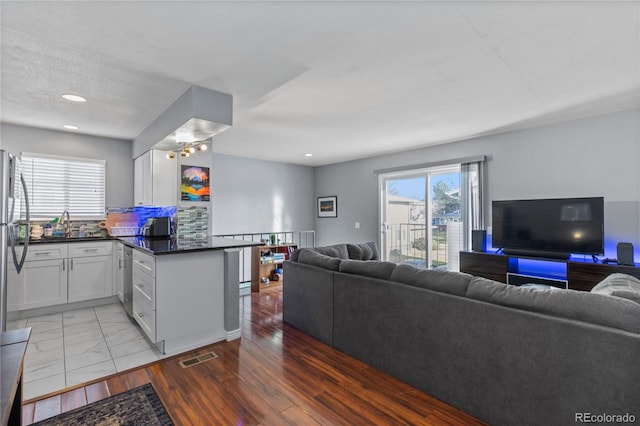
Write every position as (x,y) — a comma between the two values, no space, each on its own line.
(549,227)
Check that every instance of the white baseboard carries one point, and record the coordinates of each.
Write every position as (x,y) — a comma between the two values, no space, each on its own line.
(233,334)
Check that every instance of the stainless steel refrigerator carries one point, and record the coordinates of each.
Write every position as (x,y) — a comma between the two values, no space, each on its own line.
(13,195)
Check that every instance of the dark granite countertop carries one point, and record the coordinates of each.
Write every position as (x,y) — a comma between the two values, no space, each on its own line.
(176,245)
(47,240)
(160,246)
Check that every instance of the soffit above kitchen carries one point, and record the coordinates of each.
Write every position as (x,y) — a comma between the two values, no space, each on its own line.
(341,80)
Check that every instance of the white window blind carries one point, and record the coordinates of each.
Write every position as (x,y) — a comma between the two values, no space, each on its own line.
(58,183)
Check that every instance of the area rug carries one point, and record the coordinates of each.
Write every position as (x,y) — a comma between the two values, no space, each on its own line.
(138,406)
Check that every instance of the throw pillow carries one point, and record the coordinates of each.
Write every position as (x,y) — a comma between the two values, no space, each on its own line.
(617,282)
(337,250)
(363,251)
(312,257)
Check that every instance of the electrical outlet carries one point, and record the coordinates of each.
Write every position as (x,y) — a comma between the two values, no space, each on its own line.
(357,225)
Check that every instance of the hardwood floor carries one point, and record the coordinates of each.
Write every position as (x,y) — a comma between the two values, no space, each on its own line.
(274,375)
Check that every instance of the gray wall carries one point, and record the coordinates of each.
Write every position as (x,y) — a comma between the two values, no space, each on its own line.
(260,196)
(117,153)
(599,156)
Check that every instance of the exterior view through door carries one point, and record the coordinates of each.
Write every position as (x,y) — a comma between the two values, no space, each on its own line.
(427,213)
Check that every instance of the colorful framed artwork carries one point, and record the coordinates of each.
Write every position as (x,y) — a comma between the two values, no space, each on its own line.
(328,206)
(194,184)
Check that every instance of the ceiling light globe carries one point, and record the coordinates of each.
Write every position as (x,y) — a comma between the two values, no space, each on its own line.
(191,150)
(73,98)
(202,147)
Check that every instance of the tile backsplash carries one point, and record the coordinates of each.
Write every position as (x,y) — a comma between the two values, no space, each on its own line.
(192,222)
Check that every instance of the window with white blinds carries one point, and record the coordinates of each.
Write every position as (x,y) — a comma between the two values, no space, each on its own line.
(59,183)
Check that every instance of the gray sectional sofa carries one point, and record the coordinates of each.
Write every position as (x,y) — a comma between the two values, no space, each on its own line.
(504,354)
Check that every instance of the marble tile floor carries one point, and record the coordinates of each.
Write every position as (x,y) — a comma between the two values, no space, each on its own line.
(74,347)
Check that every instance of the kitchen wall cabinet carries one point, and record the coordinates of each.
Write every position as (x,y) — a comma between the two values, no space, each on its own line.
(60,273)
(156,179)
(142,180)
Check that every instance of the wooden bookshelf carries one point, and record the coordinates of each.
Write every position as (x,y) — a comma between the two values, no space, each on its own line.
(264,261)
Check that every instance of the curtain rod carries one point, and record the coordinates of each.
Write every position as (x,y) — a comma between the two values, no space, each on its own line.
(473,159)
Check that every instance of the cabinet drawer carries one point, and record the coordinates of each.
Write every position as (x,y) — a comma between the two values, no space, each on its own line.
(145,285)
(99,248)
(45,251)
(144,316)
(144,262)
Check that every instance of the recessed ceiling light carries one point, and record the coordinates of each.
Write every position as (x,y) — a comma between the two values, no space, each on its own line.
(308,155)
(73,98)
(70,127)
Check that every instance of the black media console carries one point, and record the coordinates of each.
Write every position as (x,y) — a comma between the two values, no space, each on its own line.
(580,275)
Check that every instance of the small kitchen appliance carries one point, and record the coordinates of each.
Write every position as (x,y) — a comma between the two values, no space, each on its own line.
(157,227)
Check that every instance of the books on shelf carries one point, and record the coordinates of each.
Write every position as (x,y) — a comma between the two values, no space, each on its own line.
(273,258)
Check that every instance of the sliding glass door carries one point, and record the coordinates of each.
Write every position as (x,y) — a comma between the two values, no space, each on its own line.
(421,217)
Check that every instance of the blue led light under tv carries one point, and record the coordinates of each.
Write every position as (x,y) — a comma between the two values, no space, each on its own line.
(549,227)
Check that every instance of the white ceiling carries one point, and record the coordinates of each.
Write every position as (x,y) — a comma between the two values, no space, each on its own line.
(341,80)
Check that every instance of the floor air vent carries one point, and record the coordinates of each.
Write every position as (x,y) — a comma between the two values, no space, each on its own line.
(198,359)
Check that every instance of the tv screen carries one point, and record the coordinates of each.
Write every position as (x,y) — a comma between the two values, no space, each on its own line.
(560,226)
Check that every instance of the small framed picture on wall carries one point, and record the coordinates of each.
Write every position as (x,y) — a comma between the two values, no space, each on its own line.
(328,206)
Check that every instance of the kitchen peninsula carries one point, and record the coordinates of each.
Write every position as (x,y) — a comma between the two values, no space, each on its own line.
(185,291)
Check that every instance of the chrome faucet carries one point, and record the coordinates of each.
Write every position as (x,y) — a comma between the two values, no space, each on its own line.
(67,223)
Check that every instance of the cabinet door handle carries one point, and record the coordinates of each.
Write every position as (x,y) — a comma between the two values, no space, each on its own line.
(91,250)
(71,266)
(64,265)
(42,253)
(119,263)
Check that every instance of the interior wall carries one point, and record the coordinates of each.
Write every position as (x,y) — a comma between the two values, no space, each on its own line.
(117,153)
(252,196)
(597,156)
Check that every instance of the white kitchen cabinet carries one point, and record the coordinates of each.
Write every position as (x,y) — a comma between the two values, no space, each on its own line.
(42,283)
(90,270)
(59,273)
(142,180)
(178,299)
(43,279)
(144,287)
(156,179)
(90,278)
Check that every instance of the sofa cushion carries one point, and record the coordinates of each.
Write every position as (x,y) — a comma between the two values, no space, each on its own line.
(571,304)
(312,257)
(431,279)
(627,295)
(368,268)
(295,254)
(363,251)
(337,250)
